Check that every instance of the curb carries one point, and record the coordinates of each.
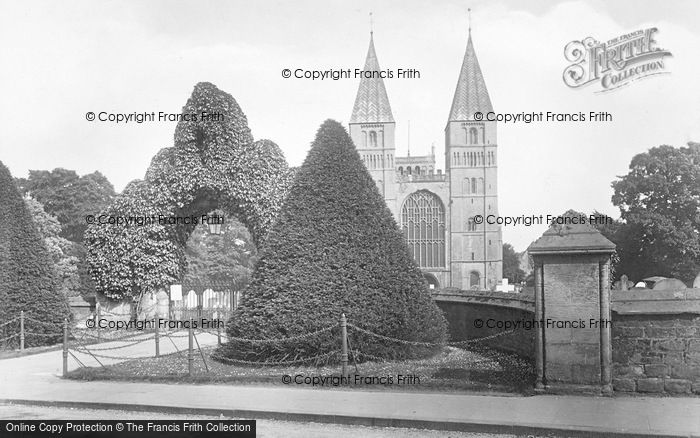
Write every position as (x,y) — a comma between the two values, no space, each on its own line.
(456,426)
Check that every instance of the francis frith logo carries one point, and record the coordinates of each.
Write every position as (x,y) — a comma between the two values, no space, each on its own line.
(615,63)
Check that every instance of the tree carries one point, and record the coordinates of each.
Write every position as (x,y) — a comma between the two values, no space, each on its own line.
(659,201)
(335,248)
(26,274)
(69,197)
(511,265)
(225,258)
(60,250)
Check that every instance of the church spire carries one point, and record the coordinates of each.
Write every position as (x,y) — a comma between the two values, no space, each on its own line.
(371,103)
(471,94)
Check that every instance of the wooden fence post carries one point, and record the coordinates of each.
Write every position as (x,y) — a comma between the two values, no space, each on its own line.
(99,316)
(21,329)
(157,320)
(344,344)
(65,347)
(190,348)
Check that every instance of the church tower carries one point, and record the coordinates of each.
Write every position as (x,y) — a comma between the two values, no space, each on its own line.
(372,127)
(471,165)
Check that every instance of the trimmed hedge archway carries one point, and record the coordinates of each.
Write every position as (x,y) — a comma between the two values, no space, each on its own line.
(214,164)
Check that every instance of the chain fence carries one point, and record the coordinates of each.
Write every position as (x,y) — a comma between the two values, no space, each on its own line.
(84,343)
(102,347)
(25,331)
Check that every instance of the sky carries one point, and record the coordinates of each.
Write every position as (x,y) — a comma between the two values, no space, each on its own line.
(60,60)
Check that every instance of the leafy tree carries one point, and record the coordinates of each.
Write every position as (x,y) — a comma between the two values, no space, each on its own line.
(26,274)
(60,250)
(224,258)
(659,201)
(511,265)
(335,248)
(69,197)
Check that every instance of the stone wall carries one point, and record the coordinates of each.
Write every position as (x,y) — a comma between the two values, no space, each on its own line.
(656,341)
(463,308)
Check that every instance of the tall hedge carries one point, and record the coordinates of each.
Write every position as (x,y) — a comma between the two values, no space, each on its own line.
(214,164)
(335,248)
(26,272)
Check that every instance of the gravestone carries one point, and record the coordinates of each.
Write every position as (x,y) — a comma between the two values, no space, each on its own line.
(572,305)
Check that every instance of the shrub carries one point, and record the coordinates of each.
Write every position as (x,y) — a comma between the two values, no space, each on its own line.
(335,248)
(26,271)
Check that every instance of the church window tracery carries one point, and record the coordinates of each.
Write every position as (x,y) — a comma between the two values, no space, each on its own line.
(423,224)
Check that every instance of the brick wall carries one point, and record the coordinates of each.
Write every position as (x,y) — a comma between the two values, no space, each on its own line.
(463,308)
(656,341)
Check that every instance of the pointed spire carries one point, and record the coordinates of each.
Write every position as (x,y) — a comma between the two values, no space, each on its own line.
(371,103)
(471,94)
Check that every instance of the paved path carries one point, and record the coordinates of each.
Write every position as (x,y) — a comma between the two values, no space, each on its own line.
(264,428)
(34,378)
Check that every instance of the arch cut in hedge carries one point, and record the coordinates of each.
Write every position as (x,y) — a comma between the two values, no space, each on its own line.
(214,164)
(335,248)
(27,280)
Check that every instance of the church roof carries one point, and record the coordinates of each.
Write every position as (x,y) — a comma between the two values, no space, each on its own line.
(371,103)
(471,94)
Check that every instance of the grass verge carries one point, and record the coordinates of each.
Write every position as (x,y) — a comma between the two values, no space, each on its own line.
(451,369)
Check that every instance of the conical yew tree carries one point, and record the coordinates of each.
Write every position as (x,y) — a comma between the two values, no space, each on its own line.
(26,273)
(335,248)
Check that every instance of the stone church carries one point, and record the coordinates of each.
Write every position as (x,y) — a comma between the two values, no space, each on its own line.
(436,210)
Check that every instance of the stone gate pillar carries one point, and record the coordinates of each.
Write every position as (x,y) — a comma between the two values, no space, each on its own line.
(572,306)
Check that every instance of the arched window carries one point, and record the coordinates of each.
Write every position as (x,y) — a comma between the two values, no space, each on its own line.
(364,139)
(401,170)
(408,170)
(466,136)
(373,138)
(423,224)
(433,282)
(471,225)
(417,170)
(473,136)
(474,280)
(474,189)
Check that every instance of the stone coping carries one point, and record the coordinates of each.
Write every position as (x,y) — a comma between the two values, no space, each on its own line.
(523,301)
(659,302)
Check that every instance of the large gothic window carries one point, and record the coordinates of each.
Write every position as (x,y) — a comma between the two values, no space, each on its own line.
(423,224)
